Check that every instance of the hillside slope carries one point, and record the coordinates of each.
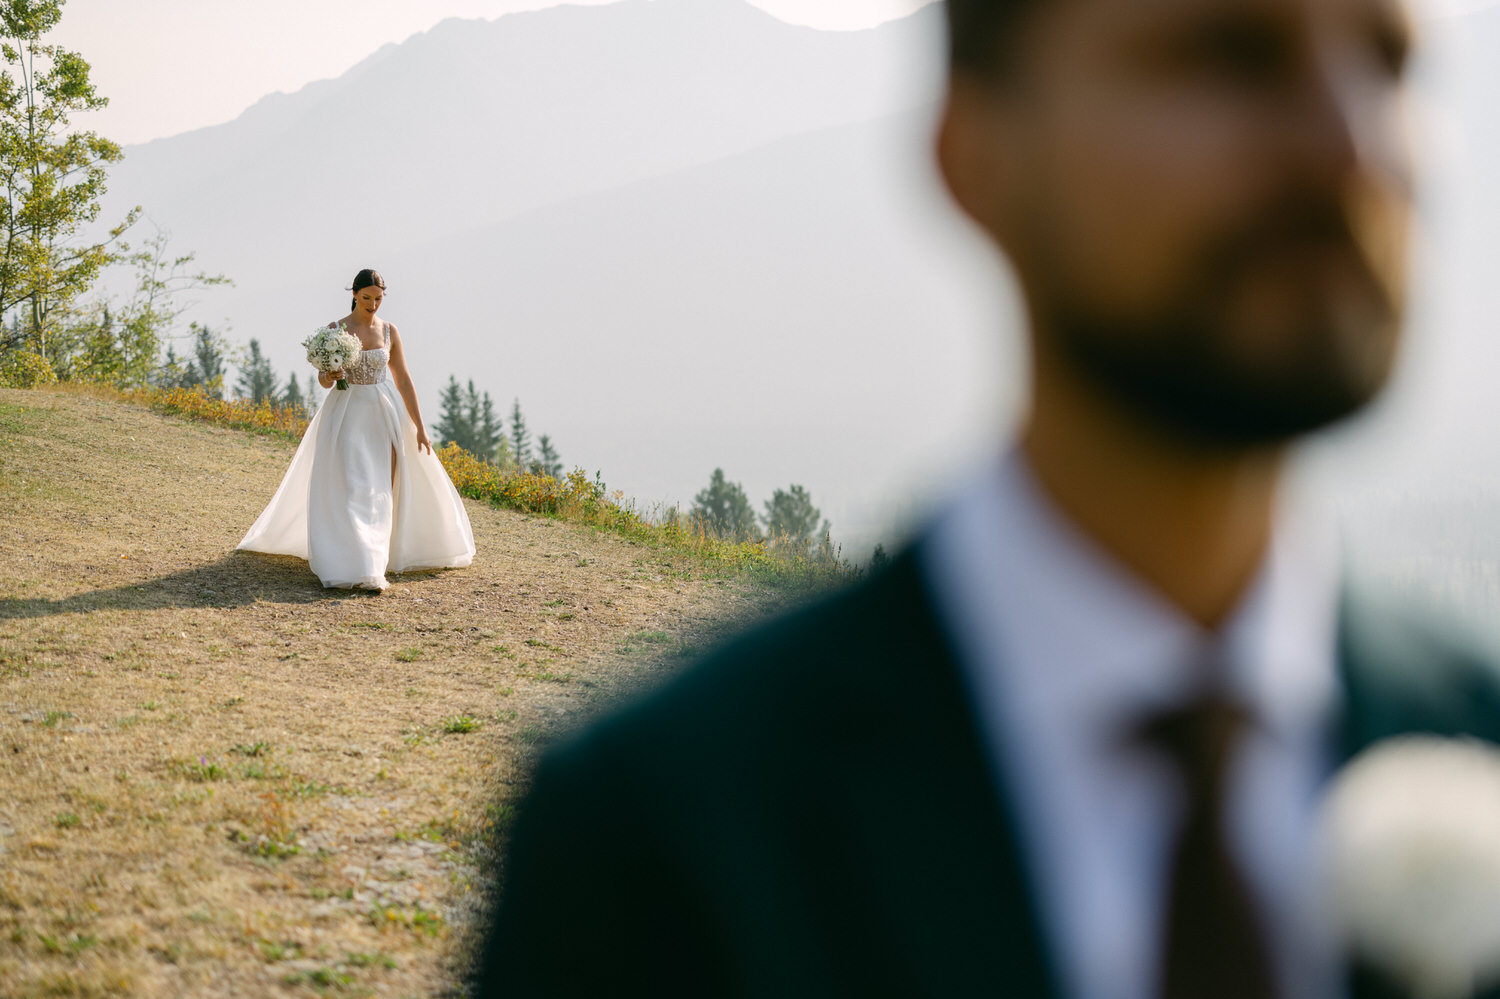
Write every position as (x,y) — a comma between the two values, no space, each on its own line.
(217,778)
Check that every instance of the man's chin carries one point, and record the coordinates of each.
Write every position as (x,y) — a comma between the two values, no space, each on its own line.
(1230,408)
(1227,399)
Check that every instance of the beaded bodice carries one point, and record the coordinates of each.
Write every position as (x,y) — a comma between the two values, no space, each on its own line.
(370,367)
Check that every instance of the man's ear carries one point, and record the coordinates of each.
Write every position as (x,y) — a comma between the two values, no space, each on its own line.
(978,155)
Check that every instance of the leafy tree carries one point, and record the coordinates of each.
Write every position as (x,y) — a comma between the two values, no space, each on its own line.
(206,369)
(161,279)
(291,396)
(723,510)
(51,176)
(503,456)
(171,373)
(520,437)
(791,518)
(99,345)
(120,346)
(549,462)
(828,553)
(257,382)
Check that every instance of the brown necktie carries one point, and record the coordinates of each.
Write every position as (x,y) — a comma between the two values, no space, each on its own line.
(1213,946)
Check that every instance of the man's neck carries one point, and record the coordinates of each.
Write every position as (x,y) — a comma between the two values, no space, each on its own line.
(1193,522)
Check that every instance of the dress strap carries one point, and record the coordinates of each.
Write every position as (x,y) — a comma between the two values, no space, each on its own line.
(387,332)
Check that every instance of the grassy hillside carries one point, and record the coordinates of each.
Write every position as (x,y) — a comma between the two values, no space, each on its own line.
(217,778)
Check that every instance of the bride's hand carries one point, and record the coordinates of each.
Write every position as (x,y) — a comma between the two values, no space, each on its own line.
(422,440)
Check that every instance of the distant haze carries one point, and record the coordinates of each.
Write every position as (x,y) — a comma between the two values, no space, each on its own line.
(688,234)
(174,65)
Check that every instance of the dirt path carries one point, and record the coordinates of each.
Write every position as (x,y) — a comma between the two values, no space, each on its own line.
(217,779)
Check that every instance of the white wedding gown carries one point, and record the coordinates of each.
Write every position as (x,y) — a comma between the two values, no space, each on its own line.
(360,499)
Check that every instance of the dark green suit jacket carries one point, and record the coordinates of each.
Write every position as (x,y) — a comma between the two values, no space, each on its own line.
(811,812)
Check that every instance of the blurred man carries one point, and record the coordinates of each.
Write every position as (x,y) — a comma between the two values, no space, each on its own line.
(1069,744)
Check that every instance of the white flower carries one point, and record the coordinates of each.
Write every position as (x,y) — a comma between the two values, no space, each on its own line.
(331,348)
(1412,827)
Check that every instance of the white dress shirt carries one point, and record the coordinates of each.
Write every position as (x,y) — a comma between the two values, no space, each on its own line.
(1066,652)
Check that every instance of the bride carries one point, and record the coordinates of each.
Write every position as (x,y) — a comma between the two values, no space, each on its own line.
(364,494)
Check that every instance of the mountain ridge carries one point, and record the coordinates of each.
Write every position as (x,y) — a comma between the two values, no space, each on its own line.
(539,106)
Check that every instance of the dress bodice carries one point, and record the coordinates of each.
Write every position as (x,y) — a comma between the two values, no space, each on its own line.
(370,367)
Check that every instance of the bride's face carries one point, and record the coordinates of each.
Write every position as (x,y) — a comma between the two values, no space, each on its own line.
(367,302)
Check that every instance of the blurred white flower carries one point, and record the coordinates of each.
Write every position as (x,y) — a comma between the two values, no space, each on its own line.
(1412,830)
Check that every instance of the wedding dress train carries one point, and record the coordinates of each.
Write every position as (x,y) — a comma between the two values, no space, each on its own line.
(360,499)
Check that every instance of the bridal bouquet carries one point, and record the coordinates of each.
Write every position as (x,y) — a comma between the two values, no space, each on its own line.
(332,349)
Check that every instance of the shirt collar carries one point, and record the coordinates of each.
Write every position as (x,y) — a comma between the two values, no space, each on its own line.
(1097,646)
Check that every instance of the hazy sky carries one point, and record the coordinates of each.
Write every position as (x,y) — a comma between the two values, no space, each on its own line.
(174,65)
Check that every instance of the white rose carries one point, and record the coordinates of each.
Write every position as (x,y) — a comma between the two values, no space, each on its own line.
(1412,830)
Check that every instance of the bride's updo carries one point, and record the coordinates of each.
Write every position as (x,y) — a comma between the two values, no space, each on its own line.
(367,278)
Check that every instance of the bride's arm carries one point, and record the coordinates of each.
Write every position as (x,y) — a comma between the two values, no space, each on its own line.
(402,378)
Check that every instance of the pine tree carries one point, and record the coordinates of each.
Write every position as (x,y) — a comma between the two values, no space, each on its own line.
(791,518)
(520,437)
(723,510)
(468,420)
(488,432)
(291,396)
(549,461)
(471,418)
(206,370)
(257,382)
(879,559)
(485,431)
(453,425)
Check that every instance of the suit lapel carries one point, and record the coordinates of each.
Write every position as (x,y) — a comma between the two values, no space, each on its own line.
(1404,672)
(950,881)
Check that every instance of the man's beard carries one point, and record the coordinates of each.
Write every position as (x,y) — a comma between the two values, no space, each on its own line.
(1179,369)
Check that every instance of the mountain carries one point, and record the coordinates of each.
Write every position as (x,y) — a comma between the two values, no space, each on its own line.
(475,121)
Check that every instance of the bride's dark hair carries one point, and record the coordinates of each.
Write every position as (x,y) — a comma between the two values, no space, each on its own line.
(366,278)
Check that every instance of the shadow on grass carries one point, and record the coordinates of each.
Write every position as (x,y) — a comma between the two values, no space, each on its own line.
(236,580)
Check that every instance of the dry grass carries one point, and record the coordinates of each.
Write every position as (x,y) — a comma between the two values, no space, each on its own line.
(218,779)
(572,497)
